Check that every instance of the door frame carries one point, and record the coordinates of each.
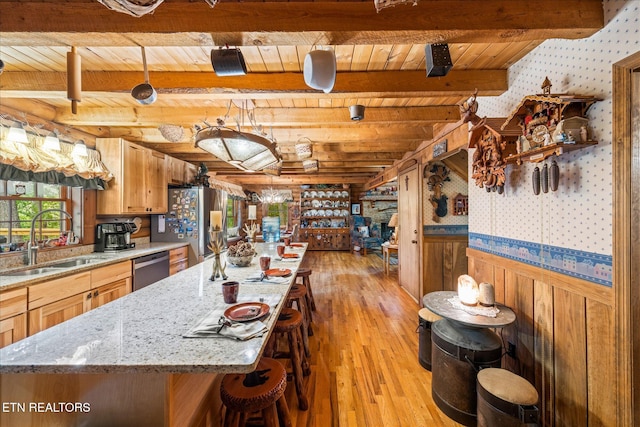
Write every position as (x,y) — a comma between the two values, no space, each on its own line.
(626,270)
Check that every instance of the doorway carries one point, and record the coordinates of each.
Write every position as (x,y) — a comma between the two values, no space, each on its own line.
(409,231)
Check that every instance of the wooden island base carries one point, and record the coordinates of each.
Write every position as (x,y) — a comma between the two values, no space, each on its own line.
(174,400)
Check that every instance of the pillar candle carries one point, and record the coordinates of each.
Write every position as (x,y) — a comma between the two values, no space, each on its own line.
(216,220)
(252,212)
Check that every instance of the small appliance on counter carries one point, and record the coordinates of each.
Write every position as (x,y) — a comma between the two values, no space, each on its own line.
(114,236)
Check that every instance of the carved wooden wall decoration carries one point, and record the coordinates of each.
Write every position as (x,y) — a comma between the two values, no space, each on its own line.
(438,175)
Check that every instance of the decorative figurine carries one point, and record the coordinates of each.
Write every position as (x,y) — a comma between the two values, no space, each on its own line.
(216,243)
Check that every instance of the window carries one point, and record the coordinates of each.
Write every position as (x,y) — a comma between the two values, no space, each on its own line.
(231,211)
(21,201)
(281,210)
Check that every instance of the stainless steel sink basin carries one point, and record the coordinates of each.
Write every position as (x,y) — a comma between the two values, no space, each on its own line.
(30,272)
(72,263)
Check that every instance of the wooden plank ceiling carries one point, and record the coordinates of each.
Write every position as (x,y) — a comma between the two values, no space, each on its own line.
(380,64)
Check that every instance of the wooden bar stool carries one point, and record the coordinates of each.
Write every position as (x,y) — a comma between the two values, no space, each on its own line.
(305,274)
(297,294)
(288,325)
(259,391)
(505,399)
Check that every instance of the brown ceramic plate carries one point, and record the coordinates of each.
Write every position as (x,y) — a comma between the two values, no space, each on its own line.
(296,245)
(290,256)
(278,272)
(246,311)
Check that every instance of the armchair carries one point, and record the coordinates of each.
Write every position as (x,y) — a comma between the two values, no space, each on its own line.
(364,236)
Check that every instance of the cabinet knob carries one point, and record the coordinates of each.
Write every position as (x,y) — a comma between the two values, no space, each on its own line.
(89,295)
(414,241)
(96,293)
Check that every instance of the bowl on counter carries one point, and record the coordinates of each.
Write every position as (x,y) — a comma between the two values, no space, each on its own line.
(240,261)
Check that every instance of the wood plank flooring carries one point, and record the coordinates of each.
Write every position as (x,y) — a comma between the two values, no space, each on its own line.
(364,363)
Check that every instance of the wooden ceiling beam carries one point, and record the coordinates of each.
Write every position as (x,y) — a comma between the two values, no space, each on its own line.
(327,138)
(150,116)
(181,23)
(183,85)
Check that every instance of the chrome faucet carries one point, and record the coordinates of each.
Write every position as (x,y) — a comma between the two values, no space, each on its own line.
(32,247)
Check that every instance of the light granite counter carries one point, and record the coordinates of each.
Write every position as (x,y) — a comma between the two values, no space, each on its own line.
(142,331)
(99,259)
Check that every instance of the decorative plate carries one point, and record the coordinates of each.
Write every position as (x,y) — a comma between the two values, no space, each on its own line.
(246,311)
(320,193)
(290,256)
(316,203)
(278,272)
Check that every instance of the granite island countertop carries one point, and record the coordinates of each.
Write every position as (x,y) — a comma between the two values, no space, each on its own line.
(142,331)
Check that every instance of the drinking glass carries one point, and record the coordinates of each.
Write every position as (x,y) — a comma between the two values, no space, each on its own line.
(265,262)
(280,249)
(230,292)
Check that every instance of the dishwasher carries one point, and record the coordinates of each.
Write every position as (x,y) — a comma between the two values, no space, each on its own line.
(149,269)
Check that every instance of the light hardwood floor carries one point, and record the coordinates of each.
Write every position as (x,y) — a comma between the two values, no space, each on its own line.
(365,369)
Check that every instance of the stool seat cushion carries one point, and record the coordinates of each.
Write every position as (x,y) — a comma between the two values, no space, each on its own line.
(289,319)
(508,386)
(254,391)
(428,315)
(297,291)
(302,272)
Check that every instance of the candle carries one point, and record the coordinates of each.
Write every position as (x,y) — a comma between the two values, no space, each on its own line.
(216,220)
(252,212)
(467,290)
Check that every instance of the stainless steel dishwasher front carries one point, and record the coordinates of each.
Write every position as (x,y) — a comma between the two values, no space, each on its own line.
(149,269)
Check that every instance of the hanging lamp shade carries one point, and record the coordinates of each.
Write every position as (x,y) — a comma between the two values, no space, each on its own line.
(244,150)
(320,70)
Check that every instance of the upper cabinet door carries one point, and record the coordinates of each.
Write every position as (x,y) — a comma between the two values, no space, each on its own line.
(135,186)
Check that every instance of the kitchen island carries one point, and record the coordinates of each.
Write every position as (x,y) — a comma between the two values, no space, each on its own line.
(135,347)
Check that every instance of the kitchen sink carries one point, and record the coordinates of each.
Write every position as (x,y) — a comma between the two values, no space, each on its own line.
(72,263)
(30,272)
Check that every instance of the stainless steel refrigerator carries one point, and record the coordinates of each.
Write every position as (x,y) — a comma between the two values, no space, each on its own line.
(188,219)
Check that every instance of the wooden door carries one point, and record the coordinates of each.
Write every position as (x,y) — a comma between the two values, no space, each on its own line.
(410,231)
(157,183)
(135,173)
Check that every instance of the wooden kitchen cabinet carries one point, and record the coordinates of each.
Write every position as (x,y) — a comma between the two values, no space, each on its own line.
(325,239)
(13,316)
(178,260)
(57,312)
(58,300)
(180,172)
(445,259)
(110,283)
(140,181)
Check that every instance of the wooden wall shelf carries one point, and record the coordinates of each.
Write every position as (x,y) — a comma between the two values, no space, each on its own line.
(540,154)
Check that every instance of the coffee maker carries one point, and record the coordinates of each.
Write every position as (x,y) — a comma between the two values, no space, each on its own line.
(114,236)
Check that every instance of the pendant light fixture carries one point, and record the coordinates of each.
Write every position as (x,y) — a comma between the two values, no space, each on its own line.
(79,149)
(249,151)
(52,142)
(18,134)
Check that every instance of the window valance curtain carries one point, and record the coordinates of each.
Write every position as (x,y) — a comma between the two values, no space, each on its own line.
(233,190)
(32,162)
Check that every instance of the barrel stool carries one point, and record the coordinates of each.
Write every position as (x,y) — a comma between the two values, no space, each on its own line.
(288,325)
(305,274)
(458,352)
(297,294)
(259,391)
(505,399)
(425,318)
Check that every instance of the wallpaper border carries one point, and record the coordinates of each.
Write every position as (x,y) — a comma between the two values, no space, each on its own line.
(589,266)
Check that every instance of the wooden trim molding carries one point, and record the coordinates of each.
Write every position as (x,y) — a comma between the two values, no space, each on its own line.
(625,172)
(584,288)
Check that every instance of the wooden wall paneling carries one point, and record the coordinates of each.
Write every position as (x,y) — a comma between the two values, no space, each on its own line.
(570,361)
(498,283)
(601,363)
(433,267)
(543,340)
(89,209)
(519,297)
(457,265)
